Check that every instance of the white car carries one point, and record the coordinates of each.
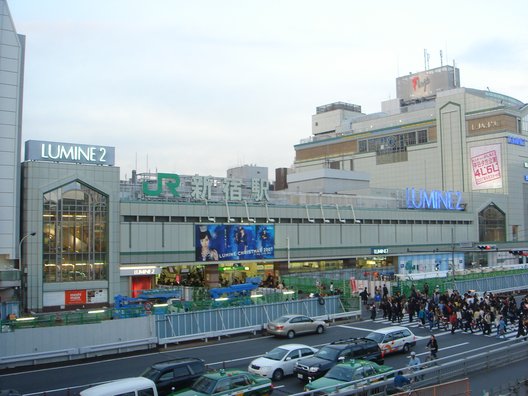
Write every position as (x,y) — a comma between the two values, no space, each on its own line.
(280,361)
(393,339)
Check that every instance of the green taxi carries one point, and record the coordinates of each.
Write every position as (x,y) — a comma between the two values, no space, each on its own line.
(228,382)
(360,372)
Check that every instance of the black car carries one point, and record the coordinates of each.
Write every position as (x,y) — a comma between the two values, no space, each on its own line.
(340,351)
(175,374)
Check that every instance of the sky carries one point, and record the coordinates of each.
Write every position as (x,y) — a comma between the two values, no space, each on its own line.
(198,87)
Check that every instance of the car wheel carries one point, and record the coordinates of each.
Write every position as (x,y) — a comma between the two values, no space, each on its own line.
(406,348)
(319,330)
(291,334)
(277,375)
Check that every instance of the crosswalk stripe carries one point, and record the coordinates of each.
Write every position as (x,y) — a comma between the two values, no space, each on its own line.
(511,331)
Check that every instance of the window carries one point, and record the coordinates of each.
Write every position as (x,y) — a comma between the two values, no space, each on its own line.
(422,136)
(181,371)
(294,354)
(306,352)
(75,234)
(145,392)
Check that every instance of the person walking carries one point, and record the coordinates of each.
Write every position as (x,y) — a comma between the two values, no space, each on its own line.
(486,323)
(501,328)
(521,330)
(432,344)
(373,311)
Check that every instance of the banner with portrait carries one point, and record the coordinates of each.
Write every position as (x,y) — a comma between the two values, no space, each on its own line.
(233,242)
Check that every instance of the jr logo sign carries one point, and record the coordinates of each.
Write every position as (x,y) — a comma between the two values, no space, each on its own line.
(172,182)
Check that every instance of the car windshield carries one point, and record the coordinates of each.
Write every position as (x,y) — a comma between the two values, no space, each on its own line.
(327,353)
(378,337)
(204,385)
(282,319)
(151,373)
(341,373)
(276,354)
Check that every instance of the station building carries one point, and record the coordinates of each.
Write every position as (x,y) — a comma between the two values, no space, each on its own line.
(415,188)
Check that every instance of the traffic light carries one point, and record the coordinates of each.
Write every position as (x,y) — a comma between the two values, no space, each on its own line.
(487,247)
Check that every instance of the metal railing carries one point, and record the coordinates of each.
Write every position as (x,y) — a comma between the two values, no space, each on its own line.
(442,370)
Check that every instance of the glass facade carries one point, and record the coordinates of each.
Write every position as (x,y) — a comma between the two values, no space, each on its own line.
(75,234)
(492,224)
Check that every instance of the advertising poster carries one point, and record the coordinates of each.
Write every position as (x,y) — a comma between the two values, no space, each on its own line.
(486,167)
(233,242)
(75,297)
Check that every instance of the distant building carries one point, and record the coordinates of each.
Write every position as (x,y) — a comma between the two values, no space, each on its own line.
(248,172)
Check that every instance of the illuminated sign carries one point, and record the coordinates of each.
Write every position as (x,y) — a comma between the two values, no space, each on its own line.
(75,297)
(234,242)
(518,141)
(139,271)
(172,182)
(435,199)
(67,152)
(379,250)
(206,188)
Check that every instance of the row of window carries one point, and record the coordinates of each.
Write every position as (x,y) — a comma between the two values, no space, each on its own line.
(393,142)
(193,219)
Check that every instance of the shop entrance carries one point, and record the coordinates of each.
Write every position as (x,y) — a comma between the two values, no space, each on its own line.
(139,284)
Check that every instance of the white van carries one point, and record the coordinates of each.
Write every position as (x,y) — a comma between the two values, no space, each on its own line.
(393,339)
(136,386)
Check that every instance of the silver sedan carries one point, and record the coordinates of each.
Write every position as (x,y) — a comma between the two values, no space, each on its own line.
(291,325)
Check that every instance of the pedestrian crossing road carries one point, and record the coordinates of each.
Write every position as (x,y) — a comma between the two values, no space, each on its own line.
(511,329)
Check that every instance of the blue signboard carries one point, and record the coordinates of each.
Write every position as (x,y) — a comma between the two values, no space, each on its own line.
(233,242)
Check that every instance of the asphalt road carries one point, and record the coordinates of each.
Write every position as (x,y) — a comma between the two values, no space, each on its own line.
(238,352)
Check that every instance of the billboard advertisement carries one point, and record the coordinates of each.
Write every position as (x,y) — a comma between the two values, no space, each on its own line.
(427,83)
(233,242)
(486,167)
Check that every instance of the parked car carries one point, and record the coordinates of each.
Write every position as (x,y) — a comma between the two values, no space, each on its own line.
(340,376)
(175,374)
(393,339)
(311,368)
(280,361)
(229,382)
(135,386)
(291,325)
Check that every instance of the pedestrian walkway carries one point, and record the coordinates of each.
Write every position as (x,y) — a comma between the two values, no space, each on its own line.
(511,330)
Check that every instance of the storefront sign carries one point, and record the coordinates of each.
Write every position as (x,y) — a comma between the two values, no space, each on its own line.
(379,251)
(483,125)
(140,271)
(67,152)
(75,297)
(434,199)
(230,242)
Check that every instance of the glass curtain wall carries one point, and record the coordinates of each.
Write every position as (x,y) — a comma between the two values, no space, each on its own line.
(75,234)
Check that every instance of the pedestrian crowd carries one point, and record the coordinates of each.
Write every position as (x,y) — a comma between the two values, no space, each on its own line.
(466,312)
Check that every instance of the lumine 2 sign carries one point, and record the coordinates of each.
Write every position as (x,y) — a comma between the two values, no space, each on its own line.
(67,152)
(435,199)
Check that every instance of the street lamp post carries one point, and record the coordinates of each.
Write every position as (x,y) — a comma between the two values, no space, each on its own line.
(21,269)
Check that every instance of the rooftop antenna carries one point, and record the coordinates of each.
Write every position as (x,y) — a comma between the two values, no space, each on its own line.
(441,59)
(426,59)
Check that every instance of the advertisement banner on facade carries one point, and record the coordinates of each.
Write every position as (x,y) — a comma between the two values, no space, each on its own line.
(486,167)
(233,242)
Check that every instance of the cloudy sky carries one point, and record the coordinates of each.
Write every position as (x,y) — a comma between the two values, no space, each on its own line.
(197,87)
